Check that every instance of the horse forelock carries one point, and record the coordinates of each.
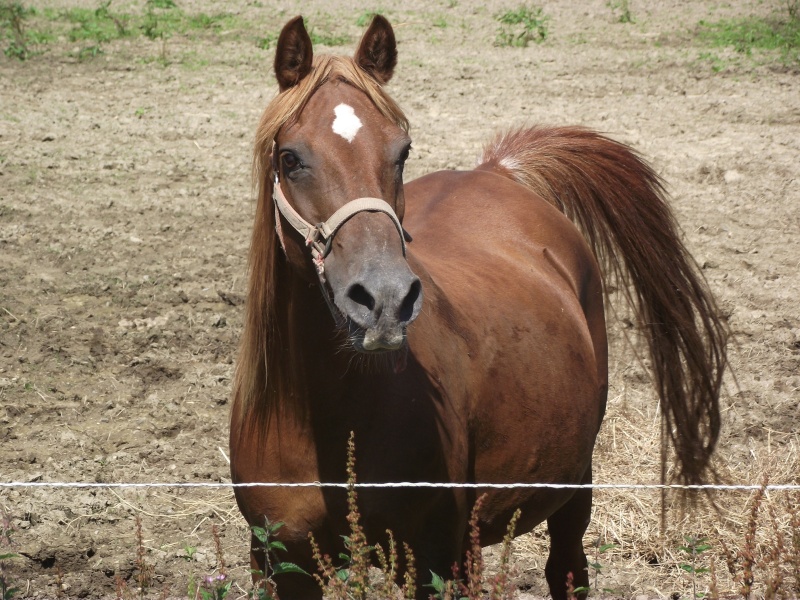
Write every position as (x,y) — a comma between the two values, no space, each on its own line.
(263,373)
(287,105)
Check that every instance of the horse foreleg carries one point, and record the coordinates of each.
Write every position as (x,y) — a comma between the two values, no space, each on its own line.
(567,526)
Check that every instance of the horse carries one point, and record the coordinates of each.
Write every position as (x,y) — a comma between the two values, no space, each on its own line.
(455,324)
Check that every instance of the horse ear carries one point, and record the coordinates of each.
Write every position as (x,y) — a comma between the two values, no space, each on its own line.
(377,52)
(294,54)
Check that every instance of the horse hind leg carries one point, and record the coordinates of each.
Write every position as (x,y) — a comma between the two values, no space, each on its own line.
(567,526)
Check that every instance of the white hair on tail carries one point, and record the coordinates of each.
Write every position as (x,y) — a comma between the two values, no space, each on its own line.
(509,163)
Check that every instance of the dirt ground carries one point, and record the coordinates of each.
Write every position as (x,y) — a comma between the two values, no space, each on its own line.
(125,215)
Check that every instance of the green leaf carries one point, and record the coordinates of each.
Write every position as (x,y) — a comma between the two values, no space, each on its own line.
(687,568)
(260,533)
(437,583)
(277,545)
(583,588)
(274,527)
(606,547)
(287,567)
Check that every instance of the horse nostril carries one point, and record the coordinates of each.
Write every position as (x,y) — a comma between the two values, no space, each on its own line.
(358,294)
(407,306)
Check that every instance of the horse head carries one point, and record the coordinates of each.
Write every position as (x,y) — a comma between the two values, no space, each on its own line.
(338,189)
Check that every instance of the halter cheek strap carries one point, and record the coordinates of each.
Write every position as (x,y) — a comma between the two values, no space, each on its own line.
(319,238)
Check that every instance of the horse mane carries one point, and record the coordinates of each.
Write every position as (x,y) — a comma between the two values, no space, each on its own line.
(265,379)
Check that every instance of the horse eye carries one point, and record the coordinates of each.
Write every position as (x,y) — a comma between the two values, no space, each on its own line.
(404,155)
(290,162)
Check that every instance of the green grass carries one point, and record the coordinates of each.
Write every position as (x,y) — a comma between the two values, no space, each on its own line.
(13,31)
(25,31)
(775,34)
(717,63)
(520,26)
(365,18)
(325,38)
(267,41)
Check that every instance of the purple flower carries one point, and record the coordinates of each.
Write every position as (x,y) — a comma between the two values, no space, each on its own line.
(215,579)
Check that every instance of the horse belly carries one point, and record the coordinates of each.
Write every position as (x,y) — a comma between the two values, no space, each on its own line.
(539,405)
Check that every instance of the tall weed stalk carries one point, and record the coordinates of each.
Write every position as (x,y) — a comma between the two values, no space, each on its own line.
(351,580)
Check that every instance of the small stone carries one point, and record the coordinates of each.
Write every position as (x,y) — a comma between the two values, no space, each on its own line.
(732,176)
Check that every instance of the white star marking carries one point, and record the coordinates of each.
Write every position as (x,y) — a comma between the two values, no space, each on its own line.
(346,123)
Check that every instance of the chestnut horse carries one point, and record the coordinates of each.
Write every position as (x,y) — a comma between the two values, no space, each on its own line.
(499,374)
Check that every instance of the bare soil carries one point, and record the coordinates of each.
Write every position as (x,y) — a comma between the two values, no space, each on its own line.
(125,215)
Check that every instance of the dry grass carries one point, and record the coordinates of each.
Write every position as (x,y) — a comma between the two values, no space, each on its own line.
(646,559)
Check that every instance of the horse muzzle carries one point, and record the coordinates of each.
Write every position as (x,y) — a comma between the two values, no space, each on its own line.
(377,294)
(379,306)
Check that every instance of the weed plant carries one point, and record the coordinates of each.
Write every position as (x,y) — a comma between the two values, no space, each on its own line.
(270,546)
(352,580)
(694,547)
(764,564)
(521,26)
(267,41)
(14,31)
(499,586)
(621,9)
(596,567)
(769,567)
(324,38)
(25,31)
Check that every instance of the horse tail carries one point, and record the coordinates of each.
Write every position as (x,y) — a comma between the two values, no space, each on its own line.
(620,204)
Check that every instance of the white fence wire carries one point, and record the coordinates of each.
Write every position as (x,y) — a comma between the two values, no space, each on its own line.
(402,484)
